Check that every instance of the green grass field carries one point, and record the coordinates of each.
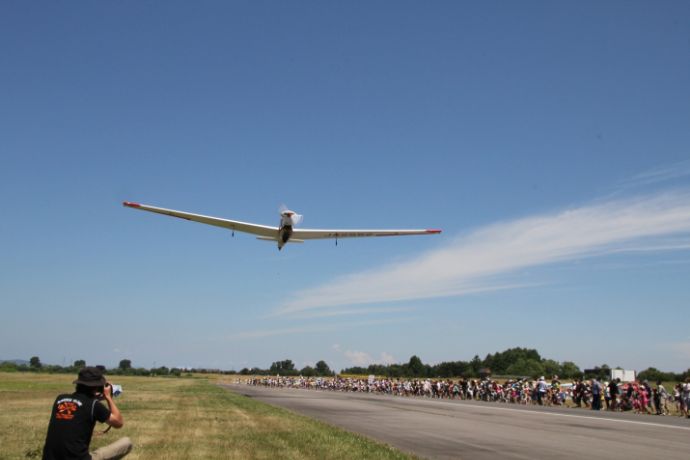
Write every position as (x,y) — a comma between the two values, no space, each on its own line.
(179,418)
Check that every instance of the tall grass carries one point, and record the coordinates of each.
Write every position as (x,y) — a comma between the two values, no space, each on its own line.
(179,418)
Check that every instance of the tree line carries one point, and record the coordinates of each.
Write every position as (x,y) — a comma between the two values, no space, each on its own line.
(287,367)
(514,362)
(124,368)
(521,362)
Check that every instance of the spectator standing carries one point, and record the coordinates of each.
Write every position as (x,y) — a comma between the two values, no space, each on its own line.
(541,390)
(650,393)
(645,399)
(607,395)
(596,394)
(556,391)
(678,397)
(577,393)
(660,398)
(613,393)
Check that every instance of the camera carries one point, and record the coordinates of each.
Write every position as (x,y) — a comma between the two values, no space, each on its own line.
(116,389)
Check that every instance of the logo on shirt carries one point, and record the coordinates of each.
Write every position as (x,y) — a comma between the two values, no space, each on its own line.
(66,408)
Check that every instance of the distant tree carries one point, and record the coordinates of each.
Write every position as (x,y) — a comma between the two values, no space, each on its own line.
(526,367)
(397,370)
(308,371)
(491,361)
(35,362)
(285,367)
(8,366)
(244,371)
(378,369)
(415,367)
(79,364)
(451,369)
(354,370)
(652,375)
(684,375)
(569,370)
(125,365)
(602,372)
(476,365)
(500,361)
(551,367)
(323,369)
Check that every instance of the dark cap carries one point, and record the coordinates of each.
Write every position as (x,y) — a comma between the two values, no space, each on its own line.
(91,377)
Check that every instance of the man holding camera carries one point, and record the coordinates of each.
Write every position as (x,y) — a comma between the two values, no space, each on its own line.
(74,416)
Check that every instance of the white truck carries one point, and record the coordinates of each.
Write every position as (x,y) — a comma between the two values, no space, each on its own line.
(623,374)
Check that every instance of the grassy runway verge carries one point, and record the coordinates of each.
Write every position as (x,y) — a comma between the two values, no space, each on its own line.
(179,418)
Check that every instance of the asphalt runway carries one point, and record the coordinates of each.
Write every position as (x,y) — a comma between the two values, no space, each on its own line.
(478,430)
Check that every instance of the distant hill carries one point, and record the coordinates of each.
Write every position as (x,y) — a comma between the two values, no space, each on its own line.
(18,362)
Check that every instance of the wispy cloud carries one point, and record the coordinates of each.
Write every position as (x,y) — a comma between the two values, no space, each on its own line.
(350,312)
(481,260)
(358,358)
(263,333)
(362,358)
(662,173)
(659,246)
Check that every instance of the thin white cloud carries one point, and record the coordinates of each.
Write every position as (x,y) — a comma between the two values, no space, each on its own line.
(350,312)
(476,261)
(387,358)
(362,358)
(358,358)
(663,173)
(659,246)
(314,328)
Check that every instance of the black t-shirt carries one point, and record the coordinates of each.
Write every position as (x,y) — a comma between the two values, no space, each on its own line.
(71,426)
(613,389)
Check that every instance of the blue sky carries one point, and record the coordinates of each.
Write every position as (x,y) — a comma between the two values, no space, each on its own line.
(549,141)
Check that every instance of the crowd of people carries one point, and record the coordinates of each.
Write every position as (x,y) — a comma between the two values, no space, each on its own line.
(639,397)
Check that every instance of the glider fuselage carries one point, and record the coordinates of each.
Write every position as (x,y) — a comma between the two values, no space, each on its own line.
(284,235)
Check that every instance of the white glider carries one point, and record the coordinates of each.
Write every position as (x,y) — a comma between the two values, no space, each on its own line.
(285,233)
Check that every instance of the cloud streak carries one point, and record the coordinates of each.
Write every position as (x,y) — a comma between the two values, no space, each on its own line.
(315,328)
(663,173)
(479,261)
(362,358)
(351,312)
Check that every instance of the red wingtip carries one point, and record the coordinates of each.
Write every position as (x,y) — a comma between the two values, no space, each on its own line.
(433,231)
(130,204)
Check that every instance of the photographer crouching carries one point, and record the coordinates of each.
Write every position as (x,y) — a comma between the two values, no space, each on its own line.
(74,417)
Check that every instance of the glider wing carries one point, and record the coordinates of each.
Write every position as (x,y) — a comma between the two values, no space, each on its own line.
(255,229)
(310,234)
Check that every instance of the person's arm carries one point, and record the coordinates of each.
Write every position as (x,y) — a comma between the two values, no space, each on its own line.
(115,420)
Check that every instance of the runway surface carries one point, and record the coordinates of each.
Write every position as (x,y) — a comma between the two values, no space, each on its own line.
(478,430)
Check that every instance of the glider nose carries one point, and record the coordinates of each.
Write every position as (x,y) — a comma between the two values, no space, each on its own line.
(130,204)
